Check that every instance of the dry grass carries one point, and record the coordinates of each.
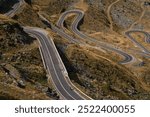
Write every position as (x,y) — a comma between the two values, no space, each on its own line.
(11,92)
(29,17)
(4,19)
(81,5)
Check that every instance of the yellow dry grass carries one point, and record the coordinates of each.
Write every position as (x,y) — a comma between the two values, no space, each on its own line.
(4,18)
(81,5)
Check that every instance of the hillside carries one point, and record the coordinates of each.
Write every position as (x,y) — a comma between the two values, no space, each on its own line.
(98,76)
(22,75)
(97,72)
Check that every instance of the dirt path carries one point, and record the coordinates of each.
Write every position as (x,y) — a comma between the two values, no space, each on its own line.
(109,14)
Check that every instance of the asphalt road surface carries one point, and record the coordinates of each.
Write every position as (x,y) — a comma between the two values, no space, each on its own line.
(147,39)
(74,27)
(51,59)
(15,8)
(53,65)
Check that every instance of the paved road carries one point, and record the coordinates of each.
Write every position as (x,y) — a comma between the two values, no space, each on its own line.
(52,61)
(15,8)
(59,31)
(147,39)
(145,52)
(53,65)
(74,27)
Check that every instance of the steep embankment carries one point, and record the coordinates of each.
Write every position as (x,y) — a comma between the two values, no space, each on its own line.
(98,76)
(22,75)
(28,17)
(96,73)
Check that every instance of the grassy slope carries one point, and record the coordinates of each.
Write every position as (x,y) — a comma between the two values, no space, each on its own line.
(100,78)
(28,17)
(90,73)
(19,51)
(96,76)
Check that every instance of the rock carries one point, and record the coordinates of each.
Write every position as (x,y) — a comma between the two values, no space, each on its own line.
(21,84)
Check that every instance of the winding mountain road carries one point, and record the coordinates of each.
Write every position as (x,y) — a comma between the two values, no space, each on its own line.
(15,8)
(51,58)
(55,66)
(147,39)
(74,27)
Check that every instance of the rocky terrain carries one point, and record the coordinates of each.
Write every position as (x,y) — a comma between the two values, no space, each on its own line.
(97,73)
(22,75)
(99,77)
